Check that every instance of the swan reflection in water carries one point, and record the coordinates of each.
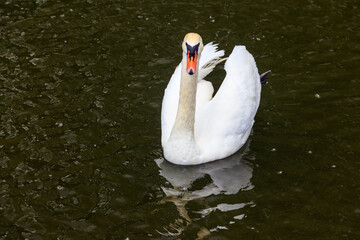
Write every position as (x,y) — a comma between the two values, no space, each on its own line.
(229,176)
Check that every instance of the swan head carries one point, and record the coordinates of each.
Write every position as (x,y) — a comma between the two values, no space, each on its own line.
(192,47)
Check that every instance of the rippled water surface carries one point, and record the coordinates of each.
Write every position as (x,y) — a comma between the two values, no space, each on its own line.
(81,85)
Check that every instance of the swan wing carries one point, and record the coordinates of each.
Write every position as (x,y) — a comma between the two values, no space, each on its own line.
(223,124)
(170,104)
(209,58)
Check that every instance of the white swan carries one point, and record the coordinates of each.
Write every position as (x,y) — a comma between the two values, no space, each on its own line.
(197,128)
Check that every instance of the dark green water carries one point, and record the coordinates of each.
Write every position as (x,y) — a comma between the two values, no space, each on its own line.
(81,85)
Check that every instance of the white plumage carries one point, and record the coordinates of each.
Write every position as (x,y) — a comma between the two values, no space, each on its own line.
(223,123)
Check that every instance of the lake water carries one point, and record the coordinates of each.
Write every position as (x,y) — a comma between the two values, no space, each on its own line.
(81,85)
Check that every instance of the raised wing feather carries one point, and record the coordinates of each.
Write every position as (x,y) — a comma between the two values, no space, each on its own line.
(223,124)
(210,56)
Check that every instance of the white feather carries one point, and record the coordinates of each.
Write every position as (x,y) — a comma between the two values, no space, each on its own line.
(223,125)
(209,58)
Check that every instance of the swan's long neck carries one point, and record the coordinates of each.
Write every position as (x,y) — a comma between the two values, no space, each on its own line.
(185,118)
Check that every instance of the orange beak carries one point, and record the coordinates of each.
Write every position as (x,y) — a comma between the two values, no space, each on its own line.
(191,63)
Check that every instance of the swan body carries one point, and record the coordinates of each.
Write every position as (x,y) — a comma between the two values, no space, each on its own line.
(196,127)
